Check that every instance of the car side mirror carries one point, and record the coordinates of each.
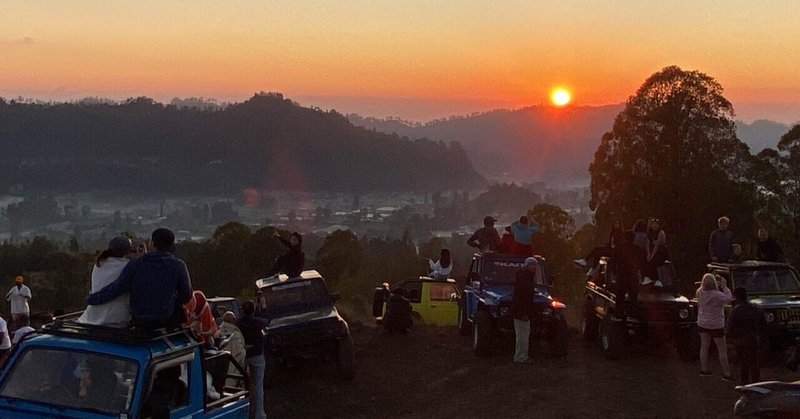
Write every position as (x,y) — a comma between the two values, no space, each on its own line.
(336,296)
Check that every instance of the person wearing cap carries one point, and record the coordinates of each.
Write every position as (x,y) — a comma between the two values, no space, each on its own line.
(107,268)
(522,307)
(486,238)
(523,231)
(158,284)
(19,295)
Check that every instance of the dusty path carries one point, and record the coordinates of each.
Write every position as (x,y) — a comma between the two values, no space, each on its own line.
(432,373)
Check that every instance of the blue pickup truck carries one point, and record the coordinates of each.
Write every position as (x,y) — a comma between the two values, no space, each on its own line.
(486,306)
(74,370)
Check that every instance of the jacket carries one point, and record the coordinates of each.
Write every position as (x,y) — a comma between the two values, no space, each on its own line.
(720,245)
(523,294)
(523,233)
(747,324)
(485,238)
(711,308)
(253,332)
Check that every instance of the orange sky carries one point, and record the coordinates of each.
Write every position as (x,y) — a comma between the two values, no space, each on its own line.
(414,59)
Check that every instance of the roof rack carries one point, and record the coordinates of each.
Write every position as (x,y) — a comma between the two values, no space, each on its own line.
(68,326)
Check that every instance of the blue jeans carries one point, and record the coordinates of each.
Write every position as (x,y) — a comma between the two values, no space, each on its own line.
(255,367)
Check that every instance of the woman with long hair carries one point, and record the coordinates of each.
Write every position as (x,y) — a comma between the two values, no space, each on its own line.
(712,296)
(442,268)
(656,252)
(107,268)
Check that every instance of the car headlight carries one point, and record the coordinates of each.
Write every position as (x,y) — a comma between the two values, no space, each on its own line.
(769,316)
(505,311)
(683,313)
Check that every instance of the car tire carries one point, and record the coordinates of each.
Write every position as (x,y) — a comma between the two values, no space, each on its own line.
(688,344)
(377,302)
(482,334)
(464,326)
(590,324)
(612,337)
(558,342)
(345,359)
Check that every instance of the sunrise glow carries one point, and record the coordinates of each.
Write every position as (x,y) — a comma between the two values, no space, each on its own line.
(560,97)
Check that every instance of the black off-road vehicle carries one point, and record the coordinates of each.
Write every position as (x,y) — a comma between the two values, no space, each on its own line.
(302,322)
(662,314)
(775,288)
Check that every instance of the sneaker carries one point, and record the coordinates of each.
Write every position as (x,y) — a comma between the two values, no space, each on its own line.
(524,361)
(581,262)
(659,284)
(647,281)
(728,378)
(705,373)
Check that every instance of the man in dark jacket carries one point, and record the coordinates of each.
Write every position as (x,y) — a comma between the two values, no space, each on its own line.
(398,317)
(768,249)
(524,290)
(254,340)
(720,244)
(486,238)
(627,262)
(158,284)
(292,262)
(747,326)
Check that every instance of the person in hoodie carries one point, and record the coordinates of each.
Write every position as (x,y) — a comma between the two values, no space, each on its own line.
(292,262)
(158,284)
(523,231)
(720,244)
(107,268)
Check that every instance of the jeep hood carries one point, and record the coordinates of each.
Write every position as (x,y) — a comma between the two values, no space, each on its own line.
(791,301)
(314,315)
(502,293)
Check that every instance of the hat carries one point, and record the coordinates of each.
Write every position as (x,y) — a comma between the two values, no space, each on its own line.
(19,279)
(489,220)
(531,261)
(120,246)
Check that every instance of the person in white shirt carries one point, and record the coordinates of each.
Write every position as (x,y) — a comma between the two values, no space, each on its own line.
(25,328)
(441,269)
(117,312)
(5,342)
(19,295)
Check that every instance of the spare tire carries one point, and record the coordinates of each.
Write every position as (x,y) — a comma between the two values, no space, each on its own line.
(378,298)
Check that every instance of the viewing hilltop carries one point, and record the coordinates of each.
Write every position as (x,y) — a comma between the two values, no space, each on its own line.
(539,143)
(265,142)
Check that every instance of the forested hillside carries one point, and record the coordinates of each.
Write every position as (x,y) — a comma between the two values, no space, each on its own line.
(265,142)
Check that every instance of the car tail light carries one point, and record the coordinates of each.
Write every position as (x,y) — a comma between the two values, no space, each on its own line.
(558,305)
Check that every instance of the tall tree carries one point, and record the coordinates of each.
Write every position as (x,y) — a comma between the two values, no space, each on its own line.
(673,153)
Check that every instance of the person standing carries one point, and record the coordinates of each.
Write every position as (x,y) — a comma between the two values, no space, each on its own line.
(747,326)
(720,244)
(254,340)
(523,231)
(769,250)
(19,295)
(712,296)
(656,252)
(738,256)
(522,300)
(441,269)
(232,340)
(158,283)
(5,342)
(627,263)
(486,238)
(292,262)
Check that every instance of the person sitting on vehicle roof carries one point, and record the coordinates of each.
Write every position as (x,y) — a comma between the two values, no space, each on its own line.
(107,268)
(398,317)
(738,255)
(507,241)
(441,269)
(523,230)
(486,238)
(200,318)
(292,262)
(158,283)
(769,250)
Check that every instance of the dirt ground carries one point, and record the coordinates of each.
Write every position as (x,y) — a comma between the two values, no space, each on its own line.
(432,372)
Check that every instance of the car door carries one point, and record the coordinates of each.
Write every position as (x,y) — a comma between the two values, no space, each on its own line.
(413,292)
(442,303)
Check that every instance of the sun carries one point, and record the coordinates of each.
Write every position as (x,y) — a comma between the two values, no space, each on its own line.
(560,97)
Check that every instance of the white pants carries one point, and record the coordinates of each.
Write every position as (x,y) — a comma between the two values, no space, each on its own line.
(522,331)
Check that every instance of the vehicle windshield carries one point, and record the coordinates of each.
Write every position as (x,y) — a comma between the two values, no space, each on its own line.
(767,281)
(79,380)
(296,297)
(505,271)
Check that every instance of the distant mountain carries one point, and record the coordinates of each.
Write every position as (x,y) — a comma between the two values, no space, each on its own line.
(265,142)
(539,143)
(761,134)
